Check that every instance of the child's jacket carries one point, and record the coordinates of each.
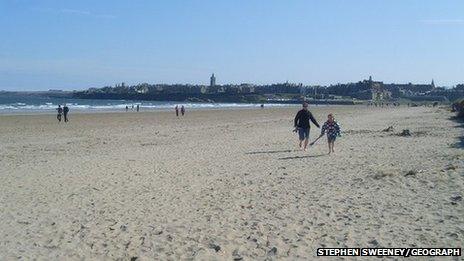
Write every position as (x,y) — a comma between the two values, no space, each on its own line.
(331,128)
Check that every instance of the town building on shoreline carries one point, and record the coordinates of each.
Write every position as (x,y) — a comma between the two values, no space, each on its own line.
(367,89)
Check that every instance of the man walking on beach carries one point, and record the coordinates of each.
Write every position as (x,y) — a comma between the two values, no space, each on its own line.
(302,126)
(177,110)
(60,111)
(65,112)
(182,110)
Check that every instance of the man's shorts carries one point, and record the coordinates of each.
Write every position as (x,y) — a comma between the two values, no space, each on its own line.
(303,133)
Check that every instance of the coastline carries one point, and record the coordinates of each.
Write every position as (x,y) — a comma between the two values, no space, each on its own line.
(24,104)
(154,110)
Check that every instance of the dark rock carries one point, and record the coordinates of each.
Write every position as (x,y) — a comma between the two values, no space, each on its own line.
(273,251)
(373,242)
(134,258)
(389,129)
(411,173)
(123,227)
(405,133)
(456,198)
(214,246)
(458,107)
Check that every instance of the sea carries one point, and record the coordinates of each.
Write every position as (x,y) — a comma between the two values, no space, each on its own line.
(32,104)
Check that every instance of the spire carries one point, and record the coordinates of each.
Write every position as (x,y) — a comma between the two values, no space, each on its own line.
(433,84)
(212,80)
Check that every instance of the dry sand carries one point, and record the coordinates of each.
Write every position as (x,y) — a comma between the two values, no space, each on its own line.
(227,184)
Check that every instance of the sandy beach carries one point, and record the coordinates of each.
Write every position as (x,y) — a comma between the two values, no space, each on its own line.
(227,184)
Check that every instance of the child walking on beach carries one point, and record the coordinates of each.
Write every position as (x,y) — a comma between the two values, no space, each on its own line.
(332,129)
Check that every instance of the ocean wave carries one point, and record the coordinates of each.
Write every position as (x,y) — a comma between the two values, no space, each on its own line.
(109,106)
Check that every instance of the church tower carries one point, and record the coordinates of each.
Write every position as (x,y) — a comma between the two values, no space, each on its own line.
(433,84)
(212,81)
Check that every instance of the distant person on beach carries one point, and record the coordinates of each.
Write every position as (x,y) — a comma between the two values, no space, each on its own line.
(302,126)
(65,112)
(138,108)
(182,110)
(60,111)
(127,108)
(177,110)
(262,106)
(332,129)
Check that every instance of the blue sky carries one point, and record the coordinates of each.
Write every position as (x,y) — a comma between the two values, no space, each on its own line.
(81,44)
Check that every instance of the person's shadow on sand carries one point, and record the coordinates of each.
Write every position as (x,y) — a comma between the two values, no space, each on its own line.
(268,152)
(303,157)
